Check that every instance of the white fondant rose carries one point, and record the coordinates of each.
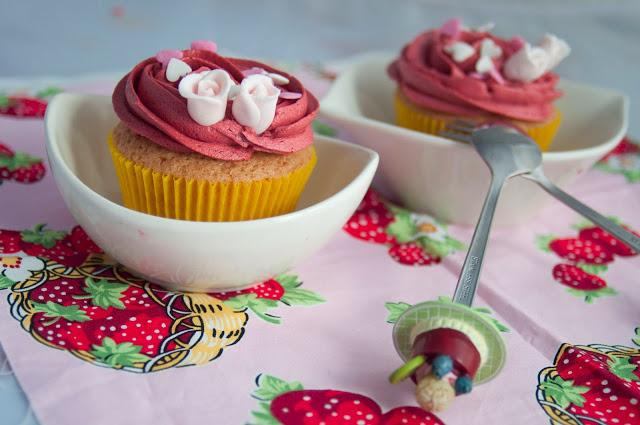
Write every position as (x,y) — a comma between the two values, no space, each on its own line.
(206,93)
(255,102)
(527,64)
(531,62)
(556,48)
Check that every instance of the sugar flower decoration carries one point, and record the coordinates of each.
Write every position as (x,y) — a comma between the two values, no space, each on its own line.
(531,62)
(206,93)
(254,104)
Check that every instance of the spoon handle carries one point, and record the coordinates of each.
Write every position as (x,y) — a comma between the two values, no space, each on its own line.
(619,232)
(468,280)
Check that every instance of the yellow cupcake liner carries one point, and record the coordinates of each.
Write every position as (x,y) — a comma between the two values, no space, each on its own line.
(167,196)
(416,118)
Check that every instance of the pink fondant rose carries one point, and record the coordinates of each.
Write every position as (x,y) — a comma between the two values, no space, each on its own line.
(255,102)
(206,93)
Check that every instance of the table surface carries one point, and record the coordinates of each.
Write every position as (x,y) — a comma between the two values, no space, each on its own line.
(70,38)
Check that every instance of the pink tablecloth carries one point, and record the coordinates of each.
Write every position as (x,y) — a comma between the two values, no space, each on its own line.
(90,343)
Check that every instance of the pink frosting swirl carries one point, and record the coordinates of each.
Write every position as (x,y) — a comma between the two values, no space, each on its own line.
(429,77)
(152,107)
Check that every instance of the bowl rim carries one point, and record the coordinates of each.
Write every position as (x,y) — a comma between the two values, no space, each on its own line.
(54,155)
(330,110)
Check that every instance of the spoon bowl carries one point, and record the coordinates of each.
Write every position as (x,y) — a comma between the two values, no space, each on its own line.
(505,151)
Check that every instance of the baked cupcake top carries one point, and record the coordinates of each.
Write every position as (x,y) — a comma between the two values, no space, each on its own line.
(467,72)
(224,108)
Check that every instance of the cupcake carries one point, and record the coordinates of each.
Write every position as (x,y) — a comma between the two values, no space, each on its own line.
(455,72)
(210,138)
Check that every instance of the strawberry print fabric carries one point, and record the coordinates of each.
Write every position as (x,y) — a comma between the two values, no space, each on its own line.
(319,335)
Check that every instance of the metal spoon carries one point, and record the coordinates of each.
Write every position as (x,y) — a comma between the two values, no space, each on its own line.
(461,130)
(507,155)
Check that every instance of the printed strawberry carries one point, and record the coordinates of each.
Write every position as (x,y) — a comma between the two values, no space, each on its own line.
(576,250)
(409,415)
(51,244)
(313,407)
(411,254)
(625,146)
(581,283)
(260,298)
(598,386)
(288,403)
(122,312)
(9,241)
(82,243)
(19,166)
(599,236)
(22,106)
(270,289)
(370,220)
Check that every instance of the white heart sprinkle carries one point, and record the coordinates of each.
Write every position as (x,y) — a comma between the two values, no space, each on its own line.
(278,79)
(484,64)
(176,69)
(489,48)
(459,51)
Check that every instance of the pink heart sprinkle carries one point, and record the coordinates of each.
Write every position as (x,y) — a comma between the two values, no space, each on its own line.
(289,95)
(164,56)
(451,28)
(253,71)
(495,74)
(476,75)
(517,43)
(204,45)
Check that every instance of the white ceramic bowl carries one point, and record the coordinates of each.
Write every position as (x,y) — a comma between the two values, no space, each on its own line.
(195,256)
(447,178)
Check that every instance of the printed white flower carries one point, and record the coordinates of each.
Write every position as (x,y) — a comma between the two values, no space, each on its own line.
(19,267)
(255,102)
(428,227)
(206,93)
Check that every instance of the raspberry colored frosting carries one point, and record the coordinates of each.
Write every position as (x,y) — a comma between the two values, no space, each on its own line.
(429,77)
(152,107)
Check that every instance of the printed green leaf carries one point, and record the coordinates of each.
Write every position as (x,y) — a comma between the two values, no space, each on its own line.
(48,92)
(41,236)
(264,416)
(56,312)
(441,248)
(402,228)
(324,129)
(632,176)
(636,339)
(18,160)
(623,368)
(270,387)
(585,224)
(288,281)
(5,282)
(4,100)
(543,241)
(485,312)
(103,294)
(591,296)
(118,355)
(395,310)
(594,268)
(564,392)
(259,306)
(299,296)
